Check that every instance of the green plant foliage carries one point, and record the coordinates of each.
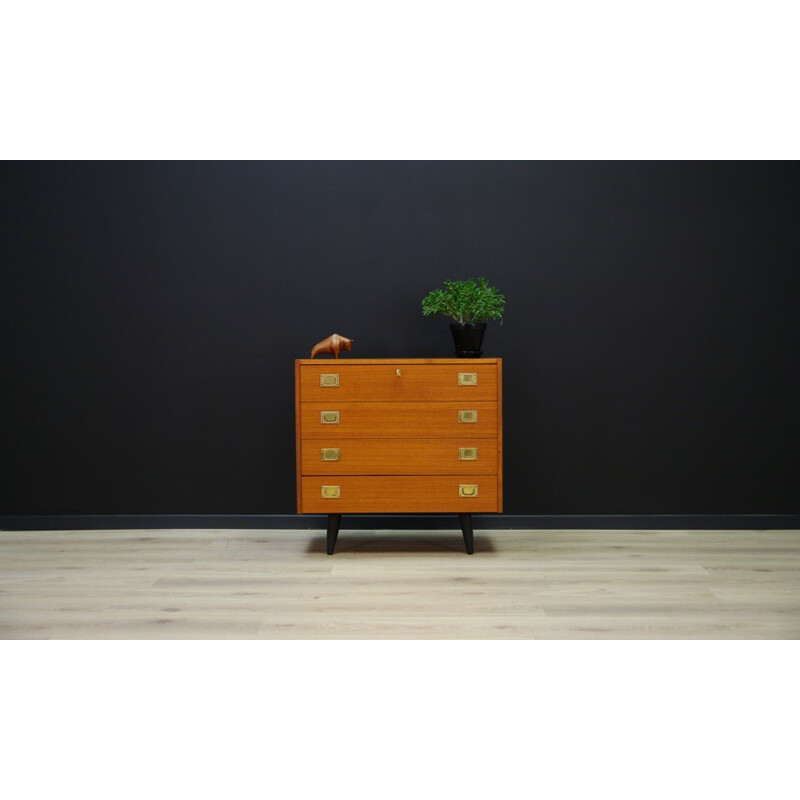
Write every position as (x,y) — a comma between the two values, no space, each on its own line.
(467,301)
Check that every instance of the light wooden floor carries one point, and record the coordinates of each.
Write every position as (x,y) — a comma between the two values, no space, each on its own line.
(518,585)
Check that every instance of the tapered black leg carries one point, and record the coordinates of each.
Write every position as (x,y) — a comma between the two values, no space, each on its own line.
(466,529)
(334,521)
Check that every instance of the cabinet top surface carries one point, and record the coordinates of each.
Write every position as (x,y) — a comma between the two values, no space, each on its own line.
(343,362)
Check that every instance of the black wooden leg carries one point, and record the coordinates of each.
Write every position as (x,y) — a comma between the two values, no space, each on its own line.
(334,521)
(466,529)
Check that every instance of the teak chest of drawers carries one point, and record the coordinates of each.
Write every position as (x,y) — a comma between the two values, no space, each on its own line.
(399,435)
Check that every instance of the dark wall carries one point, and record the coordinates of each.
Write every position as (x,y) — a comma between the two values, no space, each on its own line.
(151,314)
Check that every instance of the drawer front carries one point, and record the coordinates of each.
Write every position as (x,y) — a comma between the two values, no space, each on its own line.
(332,456)
(335,420)
(416,382)
(376,494)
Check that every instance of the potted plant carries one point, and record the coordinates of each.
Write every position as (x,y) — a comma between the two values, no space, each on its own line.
(469,303)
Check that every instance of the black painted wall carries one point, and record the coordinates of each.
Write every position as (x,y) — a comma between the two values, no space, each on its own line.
(151,313)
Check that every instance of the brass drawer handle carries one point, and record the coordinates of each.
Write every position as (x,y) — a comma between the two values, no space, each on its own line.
(330,454)
(329,417)
(467,453)
(330,492)
(467,378)
(467,416)
(329,379)
(467,489)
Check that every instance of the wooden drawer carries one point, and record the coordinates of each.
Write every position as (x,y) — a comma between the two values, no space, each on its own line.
(388,420)
(391,493)
(399,456)
(416,382)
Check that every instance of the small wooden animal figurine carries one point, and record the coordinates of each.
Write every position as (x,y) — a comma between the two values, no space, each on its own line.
(333,344)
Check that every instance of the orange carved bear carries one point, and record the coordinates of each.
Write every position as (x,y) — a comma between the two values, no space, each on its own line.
(333,344)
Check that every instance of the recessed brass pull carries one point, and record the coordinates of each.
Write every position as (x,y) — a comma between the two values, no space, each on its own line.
(329,492)
(467,378)
(467,416)
(329,417)
(467,453)
(330,454)
(467,489)
(329,379)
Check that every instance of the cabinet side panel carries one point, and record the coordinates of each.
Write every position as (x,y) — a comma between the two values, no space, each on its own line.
(297,437)
(500,435)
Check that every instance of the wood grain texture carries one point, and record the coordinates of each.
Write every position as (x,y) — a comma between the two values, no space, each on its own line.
(398,457)
(398,420)
(380,382)
(297,436)
(355,362)
(500,434)
(386,494)
(212,584)
(396,417)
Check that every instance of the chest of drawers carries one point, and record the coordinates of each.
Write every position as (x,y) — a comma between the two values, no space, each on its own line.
(399,435)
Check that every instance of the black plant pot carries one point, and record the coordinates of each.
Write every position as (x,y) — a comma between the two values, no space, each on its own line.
(468,337)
